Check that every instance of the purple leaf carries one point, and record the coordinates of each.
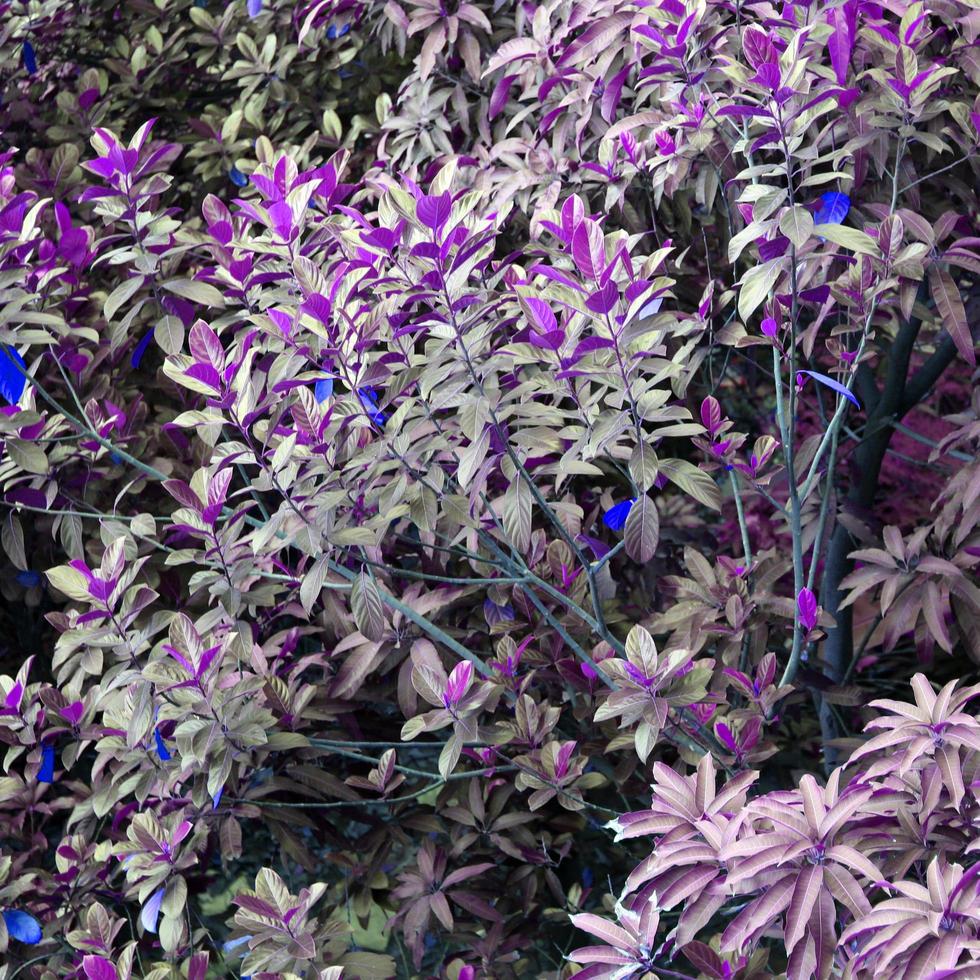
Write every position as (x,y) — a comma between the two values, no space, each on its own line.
(588,251)
(830,383)
(549,341)
(99,968)
(840,44)
(458,684)
(433,211)
(14,696)
(541,316)
(604,299)
(806,604)
(73,712)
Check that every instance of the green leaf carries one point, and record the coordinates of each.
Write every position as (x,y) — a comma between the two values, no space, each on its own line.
(692,481)
(849,238)
(365,601)
(70,581)
(517,514)
(124,292)
(641,534)
(312,584)
(353,537)
(755,287)
(196,292)
(644,466)
(168,332)
(797,225)
(28,456)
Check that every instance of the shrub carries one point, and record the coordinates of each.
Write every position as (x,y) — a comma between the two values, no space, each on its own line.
(458,490)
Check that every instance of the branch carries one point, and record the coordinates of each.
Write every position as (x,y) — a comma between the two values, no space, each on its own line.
(922,381)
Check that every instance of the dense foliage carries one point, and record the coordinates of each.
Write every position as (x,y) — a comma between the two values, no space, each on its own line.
(490,489)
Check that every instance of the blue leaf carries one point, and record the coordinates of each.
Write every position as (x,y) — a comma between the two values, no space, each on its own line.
(369,399)
(237,177)
(46,773)
(833,208)
(344,30)
(22,926)
(233,944)
(162,749)
(831,383)
(217,798)
(254,8)
(12,381)
(30,59)
(29,579)
(151,911)
(332,32)
(615,517)
(323,389)
(140,349)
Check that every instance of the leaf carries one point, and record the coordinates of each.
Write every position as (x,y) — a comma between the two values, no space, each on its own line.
(949,302)
(692,481)
(150,913)
(449,756)
(168,332)
(368,610)
(124,292)
(615,517)
(517,514)
(70,581)
(756,285)
(849,238)
(588,249)
(642,532)
(833,208)
(805,895)
(644,466)
(22,926)
(98,968)
(12,380)
(196,291)
(832,383)
(312,584)
(797,225)
(28,456)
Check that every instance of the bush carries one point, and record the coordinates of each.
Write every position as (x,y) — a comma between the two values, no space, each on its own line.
(477,476)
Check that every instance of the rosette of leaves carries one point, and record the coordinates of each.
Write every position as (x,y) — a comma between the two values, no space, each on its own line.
(930,928)
(153,857)
(691,821)
(648,684)
(458,702)
(555,771)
